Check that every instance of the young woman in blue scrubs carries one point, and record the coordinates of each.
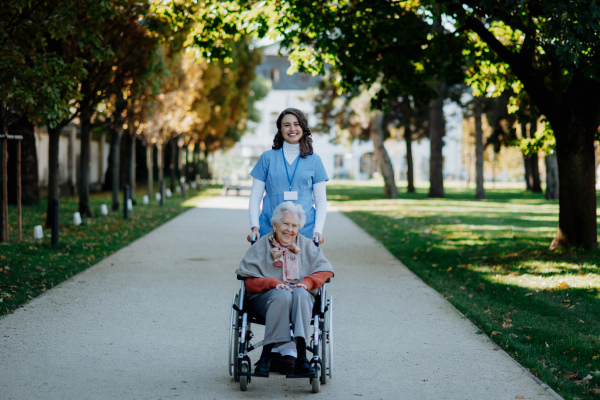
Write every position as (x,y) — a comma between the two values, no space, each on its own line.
(290,171)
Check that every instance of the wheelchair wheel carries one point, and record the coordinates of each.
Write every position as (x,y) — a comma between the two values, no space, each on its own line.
(328,346)
(244,378)
(234,338)
(324,348)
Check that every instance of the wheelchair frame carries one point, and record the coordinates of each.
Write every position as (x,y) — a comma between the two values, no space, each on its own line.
(240,336)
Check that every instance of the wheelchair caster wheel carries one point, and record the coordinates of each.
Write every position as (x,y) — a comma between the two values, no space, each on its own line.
(244,379)
(316,382)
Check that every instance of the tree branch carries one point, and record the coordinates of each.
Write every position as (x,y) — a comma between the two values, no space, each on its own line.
(521,64)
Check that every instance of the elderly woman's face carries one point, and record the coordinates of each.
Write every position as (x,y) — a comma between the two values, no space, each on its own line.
(286,229)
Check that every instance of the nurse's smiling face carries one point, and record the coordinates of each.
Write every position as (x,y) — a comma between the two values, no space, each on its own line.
(291,129)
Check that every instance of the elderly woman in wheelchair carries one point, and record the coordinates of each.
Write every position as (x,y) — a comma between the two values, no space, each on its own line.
(281,272)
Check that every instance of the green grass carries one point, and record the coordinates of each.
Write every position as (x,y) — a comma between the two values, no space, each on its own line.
(490,259)
(31,267)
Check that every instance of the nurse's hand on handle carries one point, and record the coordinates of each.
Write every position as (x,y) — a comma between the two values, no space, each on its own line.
(255,233)
(321,237)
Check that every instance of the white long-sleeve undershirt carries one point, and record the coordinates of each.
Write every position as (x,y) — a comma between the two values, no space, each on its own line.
(290,152)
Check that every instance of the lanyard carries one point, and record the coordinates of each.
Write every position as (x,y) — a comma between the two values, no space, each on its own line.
(286,168)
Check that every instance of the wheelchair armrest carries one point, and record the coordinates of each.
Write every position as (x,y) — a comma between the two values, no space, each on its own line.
(241,278)
(328,280)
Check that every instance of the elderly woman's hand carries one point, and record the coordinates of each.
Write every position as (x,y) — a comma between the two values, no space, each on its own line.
(283,286)
(302,285)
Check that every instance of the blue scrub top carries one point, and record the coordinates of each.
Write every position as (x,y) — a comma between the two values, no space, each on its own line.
(271,170)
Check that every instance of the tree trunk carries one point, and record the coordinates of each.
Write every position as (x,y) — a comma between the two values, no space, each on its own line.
(480,190)
(181,157)
(53,191)
(116,133)
(526,158)
(85,119)
(115,144)
(577,195)
(536,185)
(131,162)
(436,138)
(205,166)
(383,159)
(160,161)
(526,164)
(196,161)
(410,173)
(3,131)
(552,187)
(150,167)
(30,192)
(172,163)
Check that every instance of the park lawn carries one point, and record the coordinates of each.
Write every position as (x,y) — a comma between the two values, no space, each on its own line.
(490,259)
(29,268)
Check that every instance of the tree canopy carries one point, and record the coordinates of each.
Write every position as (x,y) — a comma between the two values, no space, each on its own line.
(415,48)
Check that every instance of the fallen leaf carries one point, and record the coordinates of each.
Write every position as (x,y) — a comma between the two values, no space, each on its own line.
(496,333)
(507,325)
(587,378)
(520,397)
(547,345)
(571,375)
(529,294)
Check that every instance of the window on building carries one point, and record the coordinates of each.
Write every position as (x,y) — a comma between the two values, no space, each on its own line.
(273,123)
(338,160)
(368,164)
(275,75)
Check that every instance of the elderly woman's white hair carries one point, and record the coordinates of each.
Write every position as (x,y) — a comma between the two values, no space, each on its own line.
(289,207)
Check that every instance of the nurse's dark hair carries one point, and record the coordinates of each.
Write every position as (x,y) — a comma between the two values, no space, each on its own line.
(306,148)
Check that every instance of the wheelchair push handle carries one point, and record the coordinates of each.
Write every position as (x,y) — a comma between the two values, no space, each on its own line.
(253,239)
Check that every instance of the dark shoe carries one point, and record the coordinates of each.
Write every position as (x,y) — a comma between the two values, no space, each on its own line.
(287,365)
(303,368)
(261,368)
(275,362)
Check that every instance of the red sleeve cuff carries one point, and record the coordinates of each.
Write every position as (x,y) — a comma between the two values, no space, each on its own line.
(259,285)
(316,280)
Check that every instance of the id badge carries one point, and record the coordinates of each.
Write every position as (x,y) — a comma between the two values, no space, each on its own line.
(290,195)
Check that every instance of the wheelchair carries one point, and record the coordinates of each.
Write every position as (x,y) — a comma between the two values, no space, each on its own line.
(320,343)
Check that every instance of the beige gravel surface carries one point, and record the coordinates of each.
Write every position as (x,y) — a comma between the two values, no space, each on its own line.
(151,322)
